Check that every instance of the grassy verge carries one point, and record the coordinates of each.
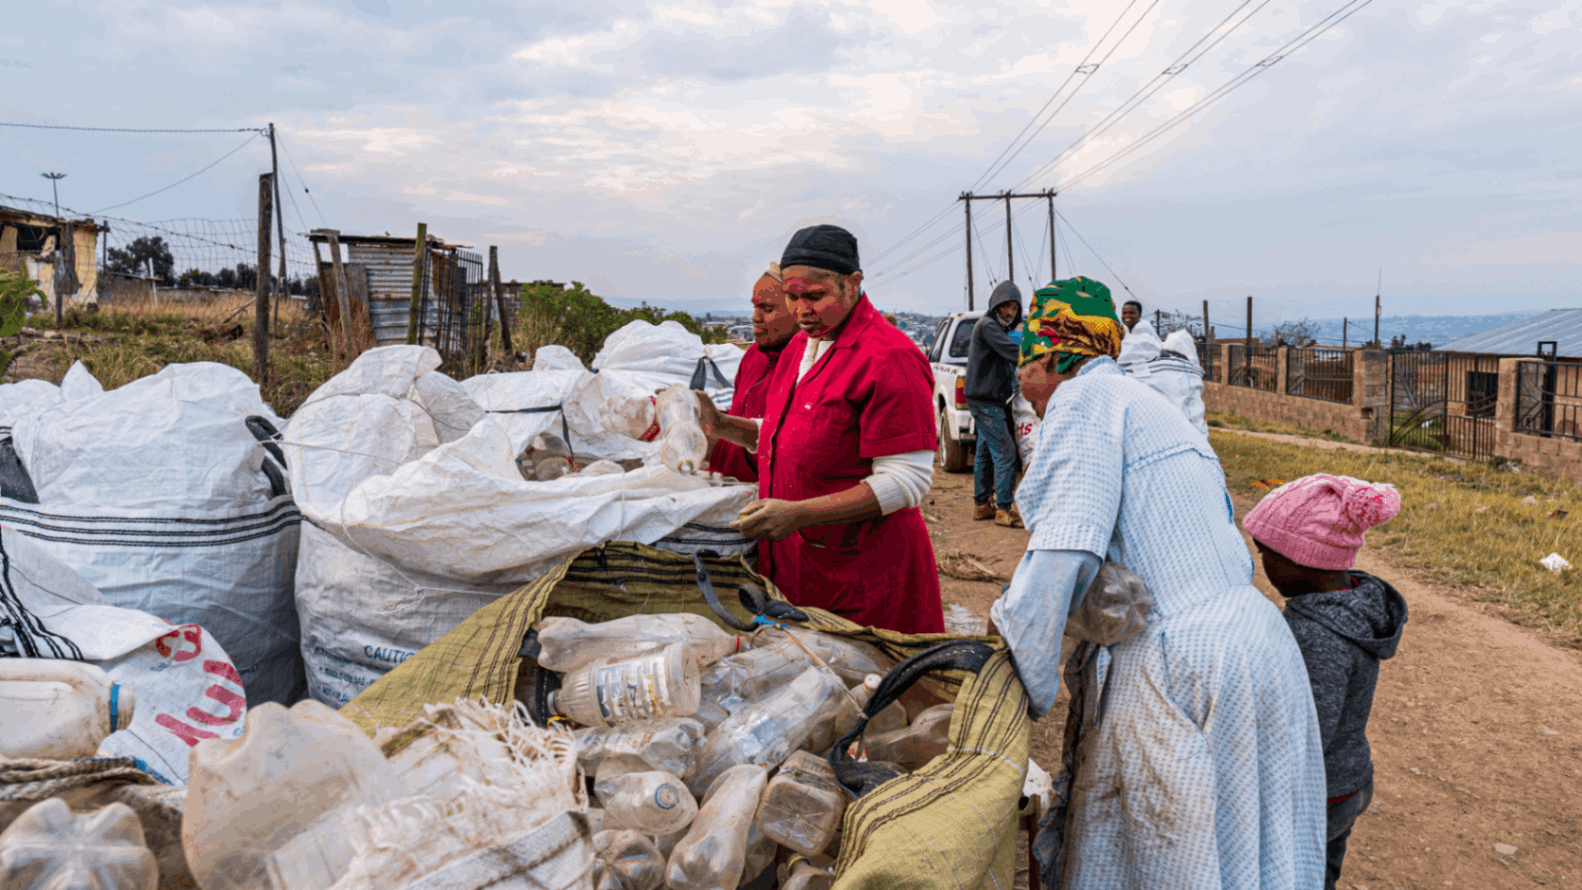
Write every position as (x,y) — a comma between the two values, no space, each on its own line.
(125,341)
(1233,421)
(1469,527)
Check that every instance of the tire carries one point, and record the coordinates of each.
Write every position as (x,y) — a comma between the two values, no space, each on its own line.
(952,454)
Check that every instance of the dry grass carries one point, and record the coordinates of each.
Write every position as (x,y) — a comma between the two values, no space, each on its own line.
(128,340)
(1234,421)
(1464,525)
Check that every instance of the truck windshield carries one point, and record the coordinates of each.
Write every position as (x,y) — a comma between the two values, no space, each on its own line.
(961,339)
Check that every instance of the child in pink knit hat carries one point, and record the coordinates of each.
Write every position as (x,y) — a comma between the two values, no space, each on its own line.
(1345,622)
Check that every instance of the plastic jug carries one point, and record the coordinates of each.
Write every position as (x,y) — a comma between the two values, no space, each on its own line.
(628,860)
(634,416)
(262,810)
(768,730)
(58,710)
(567,644)
(648,687)
(803,804)
(49,848)
(713,855)
(925,739)
(887,720)
(651,801)
(800,874)
(682,447)
(677,405)
(668,745)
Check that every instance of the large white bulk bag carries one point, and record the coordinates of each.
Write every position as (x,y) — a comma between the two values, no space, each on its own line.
(420,516)
(162,496)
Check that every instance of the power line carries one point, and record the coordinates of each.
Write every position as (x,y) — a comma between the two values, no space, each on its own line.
(1062,217)
(1294,45)
(245,143)
(302,182)
(124,130)
(1147,90)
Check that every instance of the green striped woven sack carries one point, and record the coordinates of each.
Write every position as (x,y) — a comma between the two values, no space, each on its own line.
(950,823)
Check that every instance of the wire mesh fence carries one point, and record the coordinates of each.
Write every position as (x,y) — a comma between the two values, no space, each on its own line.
(1319,373)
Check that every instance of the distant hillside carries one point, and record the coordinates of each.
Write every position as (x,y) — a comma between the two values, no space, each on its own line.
(1435,329)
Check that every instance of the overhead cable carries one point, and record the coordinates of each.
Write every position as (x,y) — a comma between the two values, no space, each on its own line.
(245,143)
(125,130)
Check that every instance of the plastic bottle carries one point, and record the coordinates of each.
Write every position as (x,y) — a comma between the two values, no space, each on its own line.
(647,687)
(889,719)
(633,416)
(834,724)
(58,710)
(852,659)
(552,467)
(267,807)
(651,801)
(630,861)
(802,805)
(735,680)
(767,731)
(48,848)
(713,855)
(682,447)
(677,405)
(800,874)
(567,643)
(925,739)
(601,468)
(760,854)
(668,745)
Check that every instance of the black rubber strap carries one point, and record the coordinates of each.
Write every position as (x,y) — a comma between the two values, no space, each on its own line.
(960,655)
(710,597)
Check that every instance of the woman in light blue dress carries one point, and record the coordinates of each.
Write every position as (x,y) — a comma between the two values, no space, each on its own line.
(1193,754)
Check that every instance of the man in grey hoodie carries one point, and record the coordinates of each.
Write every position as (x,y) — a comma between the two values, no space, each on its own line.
(1344,621)
(989,387)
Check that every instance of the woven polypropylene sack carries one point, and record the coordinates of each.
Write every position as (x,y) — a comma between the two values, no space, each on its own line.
(955,817)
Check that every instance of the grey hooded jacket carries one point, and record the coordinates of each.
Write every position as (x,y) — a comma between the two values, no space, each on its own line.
(992,356)
(1344,634)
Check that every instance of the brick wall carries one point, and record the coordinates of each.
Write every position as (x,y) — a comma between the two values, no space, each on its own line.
(1364,420)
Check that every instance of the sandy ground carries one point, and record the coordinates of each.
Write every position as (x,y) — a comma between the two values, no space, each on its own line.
(1476,727)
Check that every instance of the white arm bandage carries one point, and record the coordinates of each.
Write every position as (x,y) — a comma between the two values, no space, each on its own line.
(901,480)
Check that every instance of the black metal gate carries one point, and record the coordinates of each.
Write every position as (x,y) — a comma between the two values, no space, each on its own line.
(1444,401)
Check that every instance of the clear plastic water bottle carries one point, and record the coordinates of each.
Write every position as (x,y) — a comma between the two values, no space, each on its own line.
(647,687)
(925,739)
(682,447)
(567,643)
(800,874)
(802,805)
(852,659)
(552,467)
(760,855)
(651,801)
(735,680)
(677,405)
(765,732)
(669,745)
(49,848)
(628,861)
(890,718)
(834,724)
(713,855)
(58,710)
(601,468)
(634,416)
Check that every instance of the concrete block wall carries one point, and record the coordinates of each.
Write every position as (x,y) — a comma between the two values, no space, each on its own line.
(1364,420)
(1551,455)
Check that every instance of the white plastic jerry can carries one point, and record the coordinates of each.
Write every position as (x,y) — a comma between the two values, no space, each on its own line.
(58,710)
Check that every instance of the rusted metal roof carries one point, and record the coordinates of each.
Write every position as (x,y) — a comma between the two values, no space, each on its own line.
(30,218)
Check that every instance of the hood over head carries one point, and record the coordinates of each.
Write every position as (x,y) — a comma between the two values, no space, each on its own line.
(1006,292)
(1371,615)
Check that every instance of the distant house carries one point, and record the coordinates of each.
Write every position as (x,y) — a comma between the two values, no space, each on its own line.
(31,244)
(1561,327)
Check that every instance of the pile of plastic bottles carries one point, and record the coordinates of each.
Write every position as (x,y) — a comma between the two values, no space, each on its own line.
(708,751)
(548,458)
(671,417)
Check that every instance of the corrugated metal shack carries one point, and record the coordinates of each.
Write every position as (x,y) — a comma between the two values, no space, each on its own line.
(379,277)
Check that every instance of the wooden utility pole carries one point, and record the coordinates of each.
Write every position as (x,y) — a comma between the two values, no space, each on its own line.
(419,260)
(1343,332)
(1249,326)
(499,299)
(66,282)
(1156,321)
(1054,272)
(342,286)
(1010,250)
(1376,295)
(266,185)
(280,223)
(966,200)
(1208,340)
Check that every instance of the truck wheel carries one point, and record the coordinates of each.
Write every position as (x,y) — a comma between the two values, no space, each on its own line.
(952,454)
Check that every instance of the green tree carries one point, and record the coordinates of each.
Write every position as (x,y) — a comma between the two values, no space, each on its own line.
(14,291)
(580,320)
(134,258)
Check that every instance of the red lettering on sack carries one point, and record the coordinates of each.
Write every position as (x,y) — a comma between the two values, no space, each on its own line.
(186,642)
(189,734)
(223,669)
(234,705)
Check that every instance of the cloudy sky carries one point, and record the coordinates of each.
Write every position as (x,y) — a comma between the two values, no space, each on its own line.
(664,152)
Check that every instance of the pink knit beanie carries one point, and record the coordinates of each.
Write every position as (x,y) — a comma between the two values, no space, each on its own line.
(1318,521)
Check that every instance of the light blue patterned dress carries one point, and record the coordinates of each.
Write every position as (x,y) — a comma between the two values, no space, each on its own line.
(1200,764)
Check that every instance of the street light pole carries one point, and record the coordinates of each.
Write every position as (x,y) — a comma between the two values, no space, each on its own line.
(53,179)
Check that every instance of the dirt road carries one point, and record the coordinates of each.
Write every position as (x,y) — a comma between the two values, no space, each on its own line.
(1476,728)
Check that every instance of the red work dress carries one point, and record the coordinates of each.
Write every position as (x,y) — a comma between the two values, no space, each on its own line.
(868,396)
(752,394)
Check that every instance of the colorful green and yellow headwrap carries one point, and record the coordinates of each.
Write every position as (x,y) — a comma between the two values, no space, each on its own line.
(1075,319)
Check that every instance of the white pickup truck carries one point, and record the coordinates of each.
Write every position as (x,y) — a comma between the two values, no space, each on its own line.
(948,357)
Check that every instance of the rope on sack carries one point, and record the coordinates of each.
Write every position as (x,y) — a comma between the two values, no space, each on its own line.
(36,779)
